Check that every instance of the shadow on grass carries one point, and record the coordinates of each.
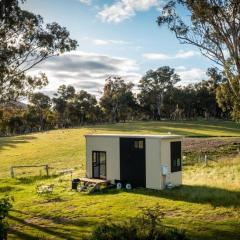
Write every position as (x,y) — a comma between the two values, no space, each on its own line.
(6,189)
(14,141)
(57,232)
(217,197)
(34,179)
(221,231)
(21,235)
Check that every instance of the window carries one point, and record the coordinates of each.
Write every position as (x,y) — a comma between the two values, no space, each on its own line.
(176,157)
(139,144)
(99,164)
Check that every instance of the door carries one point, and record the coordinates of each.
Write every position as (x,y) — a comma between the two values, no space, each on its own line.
(132,161)
(99,164)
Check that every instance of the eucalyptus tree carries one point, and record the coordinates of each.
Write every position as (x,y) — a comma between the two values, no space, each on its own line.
(153,86)
(41,104)
(64,96)
(117,98)
(214,28)
(84,107)
(25,41)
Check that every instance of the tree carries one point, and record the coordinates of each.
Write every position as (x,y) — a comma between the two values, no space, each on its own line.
(25,41)
(41,104)
(84,105)
(117,98)
(153,86)
(214,28)
(65,95)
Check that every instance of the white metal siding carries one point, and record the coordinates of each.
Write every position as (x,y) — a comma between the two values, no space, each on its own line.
(174,178)
(153,166)
(111,146)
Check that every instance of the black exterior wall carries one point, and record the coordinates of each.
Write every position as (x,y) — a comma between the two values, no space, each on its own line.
(133,161)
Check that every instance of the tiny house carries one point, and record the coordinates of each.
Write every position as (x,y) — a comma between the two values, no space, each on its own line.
(150,161)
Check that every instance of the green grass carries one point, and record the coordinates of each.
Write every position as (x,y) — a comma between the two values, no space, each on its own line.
(207,206)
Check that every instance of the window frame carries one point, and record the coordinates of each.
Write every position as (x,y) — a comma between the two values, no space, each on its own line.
(175,156)
(139,144)
(97,157)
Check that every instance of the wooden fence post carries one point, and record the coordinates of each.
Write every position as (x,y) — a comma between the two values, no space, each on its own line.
(12,172)
(206,160)
(47,172)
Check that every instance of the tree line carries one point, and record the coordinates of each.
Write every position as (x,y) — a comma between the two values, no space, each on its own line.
(158,97)
(26,40)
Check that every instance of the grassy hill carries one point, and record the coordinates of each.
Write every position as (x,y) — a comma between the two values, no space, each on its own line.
(66,148)
(207,206)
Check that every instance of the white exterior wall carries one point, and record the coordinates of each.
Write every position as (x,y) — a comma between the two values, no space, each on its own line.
(111,146)
(174,178)
(158,154)
(153,164)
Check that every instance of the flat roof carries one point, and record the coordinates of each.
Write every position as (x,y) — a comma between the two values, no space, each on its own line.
(135,135)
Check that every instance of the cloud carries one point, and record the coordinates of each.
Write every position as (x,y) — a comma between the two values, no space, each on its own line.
(189,76)
(86,71)
(124,9)
(186,54)
(87,2)
(156,56)
(179,55)
(103,42)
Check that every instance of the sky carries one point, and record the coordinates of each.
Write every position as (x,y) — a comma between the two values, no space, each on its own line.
(115,37)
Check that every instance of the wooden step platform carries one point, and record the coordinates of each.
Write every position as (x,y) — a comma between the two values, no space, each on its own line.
(93,180)
(92,184)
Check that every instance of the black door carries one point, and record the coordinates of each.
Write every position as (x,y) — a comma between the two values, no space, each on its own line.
(99,164)
(132,161)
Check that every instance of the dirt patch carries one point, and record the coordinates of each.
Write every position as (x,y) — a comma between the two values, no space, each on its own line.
(208,144)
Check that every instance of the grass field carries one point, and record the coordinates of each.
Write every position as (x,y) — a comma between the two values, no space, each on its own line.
(207,206)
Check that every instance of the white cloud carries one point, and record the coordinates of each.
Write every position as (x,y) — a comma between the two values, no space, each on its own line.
(191,75)
(156,56)
(179,55)
(104,42)
(85,70)
(124,9)
(109,42)
(186,54)
(87,2)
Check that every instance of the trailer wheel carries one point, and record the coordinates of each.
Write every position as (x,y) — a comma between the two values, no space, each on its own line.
(128,186)
(119,185)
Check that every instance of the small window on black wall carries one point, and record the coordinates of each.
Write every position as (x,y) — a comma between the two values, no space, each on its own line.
(176,157)
(139,144)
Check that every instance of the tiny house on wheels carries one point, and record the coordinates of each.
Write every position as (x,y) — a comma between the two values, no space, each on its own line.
(151,161)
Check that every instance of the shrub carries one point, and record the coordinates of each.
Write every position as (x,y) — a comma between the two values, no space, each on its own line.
(5,206)
(148,226)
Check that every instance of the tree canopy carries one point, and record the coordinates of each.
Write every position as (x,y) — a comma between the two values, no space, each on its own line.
(213,27)
(25,41)
(153,86)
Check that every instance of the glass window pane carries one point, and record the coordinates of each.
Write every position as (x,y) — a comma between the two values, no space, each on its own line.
(140,144)
(178,162)
(102,156)
(102,171)
(94,156)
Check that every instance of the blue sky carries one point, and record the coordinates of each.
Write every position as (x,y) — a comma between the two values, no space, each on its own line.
(115,37)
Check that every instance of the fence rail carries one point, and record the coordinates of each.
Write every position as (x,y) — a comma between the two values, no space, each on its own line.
(28,166)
